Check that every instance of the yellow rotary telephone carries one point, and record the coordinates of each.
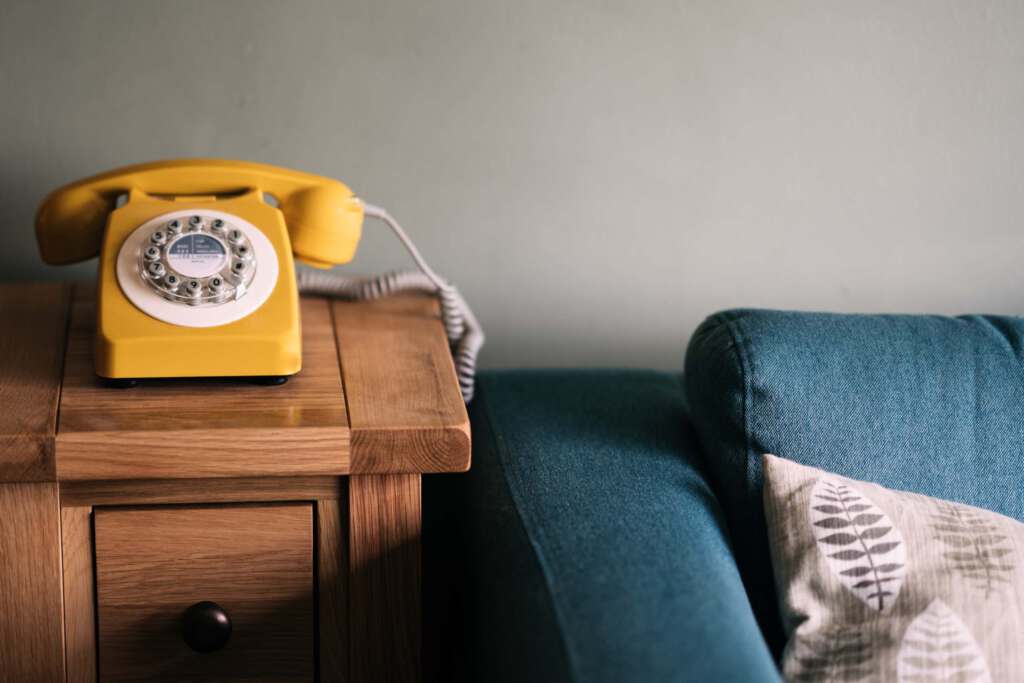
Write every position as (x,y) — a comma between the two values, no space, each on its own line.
(196,277)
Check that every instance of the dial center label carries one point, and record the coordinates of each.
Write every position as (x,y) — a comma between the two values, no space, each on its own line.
(197,255)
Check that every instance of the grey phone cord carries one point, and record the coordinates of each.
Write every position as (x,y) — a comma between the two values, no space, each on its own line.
(465,336)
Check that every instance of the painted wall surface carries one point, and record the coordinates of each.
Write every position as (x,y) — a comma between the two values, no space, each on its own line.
(595,176)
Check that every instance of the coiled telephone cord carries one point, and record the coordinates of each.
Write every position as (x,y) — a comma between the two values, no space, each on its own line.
(465,336)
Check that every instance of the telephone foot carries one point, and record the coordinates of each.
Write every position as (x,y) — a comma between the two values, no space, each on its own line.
(119,382)
(270,380)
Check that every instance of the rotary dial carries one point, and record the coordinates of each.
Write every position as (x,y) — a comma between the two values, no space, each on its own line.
(198,261)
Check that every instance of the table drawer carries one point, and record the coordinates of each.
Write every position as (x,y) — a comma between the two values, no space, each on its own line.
(254,561)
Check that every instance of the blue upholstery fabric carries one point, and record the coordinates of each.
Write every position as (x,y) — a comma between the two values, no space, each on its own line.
(923,403)
(597,548)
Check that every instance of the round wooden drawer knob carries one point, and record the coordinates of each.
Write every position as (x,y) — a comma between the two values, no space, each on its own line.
(206,627)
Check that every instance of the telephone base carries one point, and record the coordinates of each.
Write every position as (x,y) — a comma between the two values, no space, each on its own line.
(132,343)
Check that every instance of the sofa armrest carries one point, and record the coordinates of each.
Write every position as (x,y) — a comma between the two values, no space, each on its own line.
(596,548)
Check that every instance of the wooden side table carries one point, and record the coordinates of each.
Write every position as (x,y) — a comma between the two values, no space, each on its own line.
(292,513)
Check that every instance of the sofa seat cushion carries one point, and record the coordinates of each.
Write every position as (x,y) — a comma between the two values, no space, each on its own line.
(929,404)
(597,548)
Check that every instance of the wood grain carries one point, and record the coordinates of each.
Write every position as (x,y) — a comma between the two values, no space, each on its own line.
(165,429)
(332,589)
(384,578)
(33,320)
(196,454)
(164,491)
(256,561)
(31,628)
(405,410)
(79,595)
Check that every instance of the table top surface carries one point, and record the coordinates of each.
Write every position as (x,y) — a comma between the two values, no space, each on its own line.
(377,394)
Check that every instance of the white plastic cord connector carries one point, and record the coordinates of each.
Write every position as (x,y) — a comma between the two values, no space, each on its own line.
(465,336)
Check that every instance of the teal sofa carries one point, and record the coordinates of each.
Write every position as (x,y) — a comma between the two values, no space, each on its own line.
(611,528)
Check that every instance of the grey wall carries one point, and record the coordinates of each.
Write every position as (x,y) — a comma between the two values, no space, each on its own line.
(595,176)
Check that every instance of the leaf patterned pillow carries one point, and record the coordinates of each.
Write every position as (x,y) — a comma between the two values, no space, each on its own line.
(888,586)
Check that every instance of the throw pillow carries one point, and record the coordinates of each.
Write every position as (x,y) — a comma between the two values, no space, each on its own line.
(883,585)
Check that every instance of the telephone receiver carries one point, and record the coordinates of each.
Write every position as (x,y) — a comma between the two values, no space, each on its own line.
(323,216)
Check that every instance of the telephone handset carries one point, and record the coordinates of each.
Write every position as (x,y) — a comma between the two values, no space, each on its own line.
(196,277)
(324,218)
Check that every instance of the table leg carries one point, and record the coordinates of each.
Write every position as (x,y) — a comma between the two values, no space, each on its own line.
(31,623)
(79,595)
(384,578)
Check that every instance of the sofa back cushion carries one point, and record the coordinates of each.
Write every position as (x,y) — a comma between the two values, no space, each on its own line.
(929,404)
